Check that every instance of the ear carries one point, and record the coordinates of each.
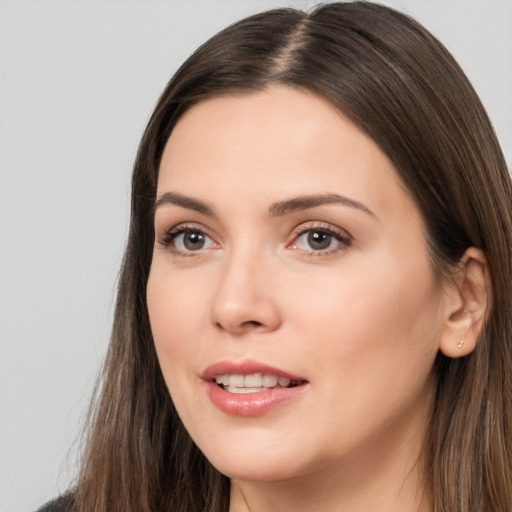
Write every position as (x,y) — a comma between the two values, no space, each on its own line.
(468,299)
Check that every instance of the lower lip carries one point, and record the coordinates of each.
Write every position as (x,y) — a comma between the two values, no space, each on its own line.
(251,404)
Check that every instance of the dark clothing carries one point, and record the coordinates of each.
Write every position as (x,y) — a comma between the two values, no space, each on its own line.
(62,504)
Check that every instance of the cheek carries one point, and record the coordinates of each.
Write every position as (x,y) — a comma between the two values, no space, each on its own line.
(380,317)
(175,314)
(370,340)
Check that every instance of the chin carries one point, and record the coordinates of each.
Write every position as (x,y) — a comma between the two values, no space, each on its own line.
(255,470)
(256,463)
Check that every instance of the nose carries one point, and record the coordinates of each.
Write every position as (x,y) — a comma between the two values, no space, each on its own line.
(244,300)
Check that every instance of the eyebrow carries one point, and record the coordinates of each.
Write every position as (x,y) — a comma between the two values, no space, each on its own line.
(184,202)
(312,201)
(276,210)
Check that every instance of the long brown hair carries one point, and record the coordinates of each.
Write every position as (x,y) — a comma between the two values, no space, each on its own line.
(400,85)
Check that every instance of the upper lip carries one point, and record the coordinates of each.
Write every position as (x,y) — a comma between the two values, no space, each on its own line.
(246,367)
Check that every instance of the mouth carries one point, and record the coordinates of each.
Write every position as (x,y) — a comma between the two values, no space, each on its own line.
(251,388)
(254,382)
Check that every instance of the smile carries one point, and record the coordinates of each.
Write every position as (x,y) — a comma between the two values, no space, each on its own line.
(251,388)
(253,383)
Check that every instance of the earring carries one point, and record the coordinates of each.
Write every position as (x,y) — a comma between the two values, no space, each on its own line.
(459,345)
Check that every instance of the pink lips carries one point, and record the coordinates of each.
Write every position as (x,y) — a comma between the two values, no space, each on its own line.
(250,404)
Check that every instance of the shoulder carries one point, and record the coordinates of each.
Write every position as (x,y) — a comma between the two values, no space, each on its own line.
(61,504)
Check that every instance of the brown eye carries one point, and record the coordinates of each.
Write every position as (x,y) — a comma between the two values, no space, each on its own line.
(193,241)
(321,241)
(317,240)
(186,241)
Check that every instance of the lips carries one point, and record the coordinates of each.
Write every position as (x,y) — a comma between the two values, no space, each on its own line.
(250,388)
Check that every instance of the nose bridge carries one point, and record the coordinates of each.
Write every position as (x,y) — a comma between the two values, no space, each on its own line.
(243,299)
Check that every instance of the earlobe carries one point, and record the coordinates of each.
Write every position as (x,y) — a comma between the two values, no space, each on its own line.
(468,301)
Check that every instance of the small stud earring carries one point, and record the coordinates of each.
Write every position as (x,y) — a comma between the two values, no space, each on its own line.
(459,345)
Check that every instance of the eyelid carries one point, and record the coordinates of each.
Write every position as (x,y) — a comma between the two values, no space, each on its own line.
(166,239)
(343,236)
(321,226)
(168,236)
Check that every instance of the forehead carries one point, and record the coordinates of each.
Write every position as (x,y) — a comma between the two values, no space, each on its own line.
(277,141)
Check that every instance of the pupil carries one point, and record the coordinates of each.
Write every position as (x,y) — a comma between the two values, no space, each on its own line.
(193,241)
(319,240)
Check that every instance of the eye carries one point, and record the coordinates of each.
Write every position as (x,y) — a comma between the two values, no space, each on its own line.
(192,241)
(186,240)
(316,240)
(320,240)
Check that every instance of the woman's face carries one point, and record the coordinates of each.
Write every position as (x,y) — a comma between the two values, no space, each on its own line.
(286,248)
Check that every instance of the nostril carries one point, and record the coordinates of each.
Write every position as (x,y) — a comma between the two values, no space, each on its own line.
(250,324)
(244,326)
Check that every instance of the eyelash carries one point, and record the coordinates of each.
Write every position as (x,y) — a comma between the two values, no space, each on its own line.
(341,236)
(343,239)
(169,238)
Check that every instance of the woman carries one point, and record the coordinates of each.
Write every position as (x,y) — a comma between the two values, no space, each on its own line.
(314,305)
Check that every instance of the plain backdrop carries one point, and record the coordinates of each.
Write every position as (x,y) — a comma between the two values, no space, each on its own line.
(78,81)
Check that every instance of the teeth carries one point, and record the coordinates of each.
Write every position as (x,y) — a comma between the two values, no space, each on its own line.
(231,389)
(269,381)
(251,383)
(222,379)
(283,381)
(237,381)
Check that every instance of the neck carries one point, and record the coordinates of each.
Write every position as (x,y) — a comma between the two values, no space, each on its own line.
(329,494)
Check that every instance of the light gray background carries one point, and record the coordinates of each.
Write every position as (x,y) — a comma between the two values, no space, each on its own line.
(78,80)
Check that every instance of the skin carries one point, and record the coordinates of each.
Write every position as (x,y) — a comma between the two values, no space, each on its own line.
(362,321)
